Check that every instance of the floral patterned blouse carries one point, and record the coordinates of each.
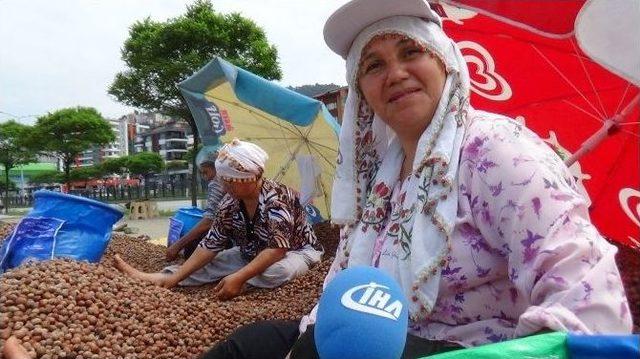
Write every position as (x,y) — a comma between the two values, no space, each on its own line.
(524,255)
(279,222)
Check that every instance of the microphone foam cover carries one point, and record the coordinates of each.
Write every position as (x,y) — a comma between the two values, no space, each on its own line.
(362,314)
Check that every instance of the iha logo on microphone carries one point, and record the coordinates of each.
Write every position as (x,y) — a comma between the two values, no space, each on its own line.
(373,299)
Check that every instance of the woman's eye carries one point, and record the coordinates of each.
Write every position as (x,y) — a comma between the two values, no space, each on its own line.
(372,67)
(412,51)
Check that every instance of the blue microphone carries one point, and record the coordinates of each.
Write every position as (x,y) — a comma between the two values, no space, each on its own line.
(362,314)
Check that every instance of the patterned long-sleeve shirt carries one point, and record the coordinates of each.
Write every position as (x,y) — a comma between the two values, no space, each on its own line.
(215,192)
(524,255)
(279,222)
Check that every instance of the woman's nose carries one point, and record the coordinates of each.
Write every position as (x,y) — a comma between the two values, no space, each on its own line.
(396,72)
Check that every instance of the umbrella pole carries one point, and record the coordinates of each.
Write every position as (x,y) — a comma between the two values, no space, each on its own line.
(609,126)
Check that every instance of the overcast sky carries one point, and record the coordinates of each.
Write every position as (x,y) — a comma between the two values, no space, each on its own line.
(63,53)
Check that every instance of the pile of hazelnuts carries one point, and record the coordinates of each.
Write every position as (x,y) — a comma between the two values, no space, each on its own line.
(64,308)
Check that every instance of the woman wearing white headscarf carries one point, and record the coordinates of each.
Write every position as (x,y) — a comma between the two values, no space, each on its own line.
(259,235)
(475,217)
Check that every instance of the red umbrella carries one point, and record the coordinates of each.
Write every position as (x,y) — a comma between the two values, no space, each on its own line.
(524,61)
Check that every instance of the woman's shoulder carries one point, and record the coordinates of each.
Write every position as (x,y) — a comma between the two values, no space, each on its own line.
(272,186)
(277,192)
(494,130)
(499,148)
(488,123)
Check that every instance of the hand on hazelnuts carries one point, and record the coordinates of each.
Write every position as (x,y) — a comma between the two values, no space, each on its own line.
(229,287)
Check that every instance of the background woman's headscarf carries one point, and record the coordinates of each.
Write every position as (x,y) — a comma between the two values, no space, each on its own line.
(370,156)
(241,161)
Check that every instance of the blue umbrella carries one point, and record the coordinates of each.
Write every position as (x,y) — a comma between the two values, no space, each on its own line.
(228,102)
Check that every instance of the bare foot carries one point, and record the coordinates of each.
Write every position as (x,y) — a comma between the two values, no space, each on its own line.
(12,349)
(159,279)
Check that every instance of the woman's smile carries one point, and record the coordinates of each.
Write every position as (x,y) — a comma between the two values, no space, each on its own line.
(400,96)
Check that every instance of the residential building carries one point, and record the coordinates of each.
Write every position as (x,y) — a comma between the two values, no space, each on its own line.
(169,140)
(334,100)
(135,123)
(114,149)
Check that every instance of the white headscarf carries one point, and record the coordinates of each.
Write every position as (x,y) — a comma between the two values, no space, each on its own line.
(370,157)
(240,161)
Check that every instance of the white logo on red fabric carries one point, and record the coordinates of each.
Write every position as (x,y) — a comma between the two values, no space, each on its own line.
(456,14)
(373,299)
(485,81)
(626,196)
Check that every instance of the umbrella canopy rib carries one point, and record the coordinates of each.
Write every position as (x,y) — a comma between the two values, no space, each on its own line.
(553,66)
(584,68)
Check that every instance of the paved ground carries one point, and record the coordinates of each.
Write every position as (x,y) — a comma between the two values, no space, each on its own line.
(156,228)
(9,218)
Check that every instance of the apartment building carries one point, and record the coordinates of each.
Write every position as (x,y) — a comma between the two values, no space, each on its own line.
(170,140)
(114,149)
(334,100)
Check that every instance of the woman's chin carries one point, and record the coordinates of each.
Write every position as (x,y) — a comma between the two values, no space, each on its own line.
(410,120)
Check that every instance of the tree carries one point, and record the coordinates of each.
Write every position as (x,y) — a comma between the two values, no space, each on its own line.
(115,165)
(46,177)
(191,154)
(13,151)
(4,187)
(86,173)
(145,163)
(161,54)
(66,133)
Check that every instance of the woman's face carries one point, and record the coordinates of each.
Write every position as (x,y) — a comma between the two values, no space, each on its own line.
(242,190)
(401,82)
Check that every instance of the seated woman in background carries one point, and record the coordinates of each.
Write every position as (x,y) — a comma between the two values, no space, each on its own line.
(215,192)
(477,219)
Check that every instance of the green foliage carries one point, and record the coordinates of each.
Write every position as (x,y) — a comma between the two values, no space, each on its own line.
(190,156)
(46,177)
(177,165)
(159,55)
(13,152)
(67,132)
(13,141)
(145,163)
(115,165)
(86,173)
(3,185)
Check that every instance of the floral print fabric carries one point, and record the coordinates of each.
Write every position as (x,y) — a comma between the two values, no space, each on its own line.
(524,255)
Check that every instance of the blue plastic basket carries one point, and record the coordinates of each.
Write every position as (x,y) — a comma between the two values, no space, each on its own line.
(182,222)
(61,225)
